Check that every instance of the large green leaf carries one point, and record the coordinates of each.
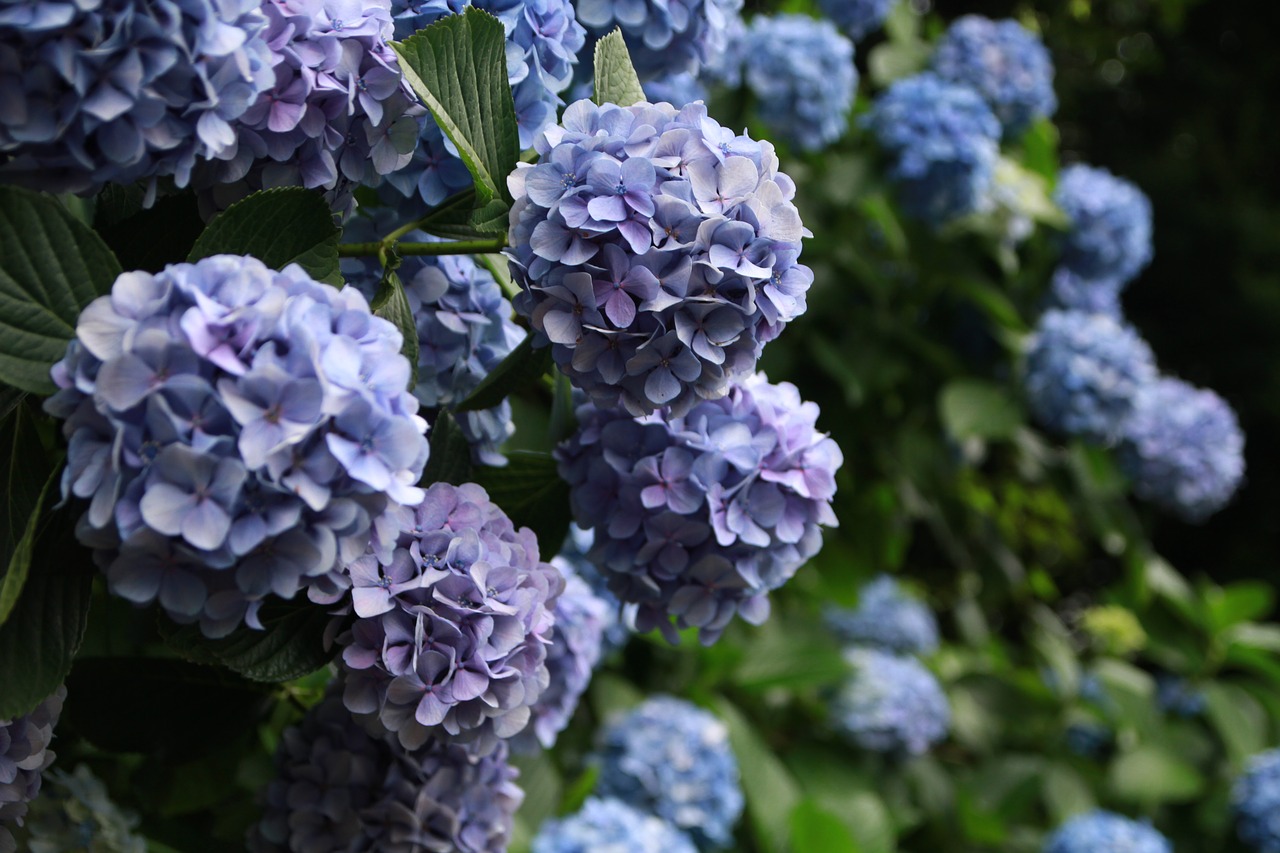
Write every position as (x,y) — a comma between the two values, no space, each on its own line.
(291,644)
(51,266)
(616,80)
(522,366)
(771,793)
(531,492)
(1150,775)
(391,303)
(458,68)
(970,408)
(29,474)
(282,226)
(815,828)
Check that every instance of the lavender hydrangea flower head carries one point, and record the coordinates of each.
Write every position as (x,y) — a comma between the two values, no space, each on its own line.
(455,612)
(237,431)
(1101,831)
(857,18)
(121,90)
(75,812)
(658,253)
(887,618)
(670,758)
(340,788)
(1183,449)
(665,36)
(24,755)
(1084,372)
(572,560)
(802,74)
(942,140)
(1255,798)
(1110,234)
(612,825)
(891,703)
(1073,292)
(1005,63)
(698,517)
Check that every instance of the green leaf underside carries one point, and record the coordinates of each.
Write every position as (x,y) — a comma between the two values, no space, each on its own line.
(290,646)
(51,266)
(522,366)
(616,80)
(282,226)
(530,491)
(450,459)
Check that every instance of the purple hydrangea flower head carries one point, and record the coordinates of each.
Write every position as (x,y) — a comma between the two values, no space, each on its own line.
(1179,697)
(665,36)
(887,618)
(857,18)
(237,431)
(1101,831)
(1084,372)
(454,612)
(698,517)
(572,559)
(657,252)
(891,703)
(1256,800)
(24,755)
(609,824)
(1005,63)
(801,71)
(668,757)
(1110,233)
(1183,449)
(676,89)
(942,140)
(339,787)
(117,90)
(1073,292)
(75,812)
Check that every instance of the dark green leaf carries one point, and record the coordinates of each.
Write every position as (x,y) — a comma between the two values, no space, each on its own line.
(51,266)
(10,399)
(1065,792)
(616,80)
(391,303)
(563,421)
(1243,601)
(151,238)
(1240,720)
(531,492)
(1151,775)
(974,409)
(522,366)
(20,558)
(291,644)
(282,226)
(815,828)
(450,460)
(771,792)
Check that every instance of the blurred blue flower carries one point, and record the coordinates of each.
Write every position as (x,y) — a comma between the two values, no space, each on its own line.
(1177,696)
(75,812)
(1088,739)
(676,89)
(665,36)
(670,758)
(1105,832)
(1071,291)
(573,557)
(887,618)
(1110,233)
(890,703)
(1256,800)
(24,755)
(857,18)
(610,825)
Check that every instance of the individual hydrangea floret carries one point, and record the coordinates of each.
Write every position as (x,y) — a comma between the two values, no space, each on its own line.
(1005,63)
(891,703)
(1178,696)
(1256,800)
(665,36)
(1110,233)
(1101,831)
(75,812)
(888,618)
(658,253)
(857,18)
(98,92)
(679,90)
(1183,449)
(668,757)
(24,755)
(1083,373)
(455,611)
(612,825)
(801,72)
(942,140)
(1072,292)
(699,517)
(340,788)
(237,431)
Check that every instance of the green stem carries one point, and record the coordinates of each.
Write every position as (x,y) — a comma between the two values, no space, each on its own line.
(456,247)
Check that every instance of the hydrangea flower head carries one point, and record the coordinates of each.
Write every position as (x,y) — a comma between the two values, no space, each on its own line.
(340,788)
(1110,233)
(75,812)
(857,18)
(698,517)
(1073,292)
(609,824)
(1004,62)
(679,90)
(24,755)
(119,90)
(891,703)
(1256,800)
(801,71)
(1083,373)
(665,36)
(942,140)
(1101,831)
(1183,449)
(670,758)
(657,252)
(1175,695)
(887,618)
(455,611)
(572,559)
(237,431)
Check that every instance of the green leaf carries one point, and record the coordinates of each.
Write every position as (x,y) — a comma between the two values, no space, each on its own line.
(458,68)
(1151,775)
(282,226)
(522,366)
(616,80)
(291,644)
(971,408)
(1240,602)
(28,472)
(890,61)
(531,492)
(149,238)
(51,266)
(450,459)
(20,559)
(1239,718)
(563,420)
(391,303)
(771,793)
(815,828)
(1065,792)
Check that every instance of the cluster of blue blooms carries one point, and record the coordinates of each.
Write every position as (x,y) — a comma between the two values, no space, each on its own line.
(890,703)
(665,36)
(610,825)
(1256,799)
(887,618)
(237,432)
(1105,832)
(24,755)
(657,252)
(572,559)
(699,517)
(857,18)
(679,90)
(1179,697)
(75,812)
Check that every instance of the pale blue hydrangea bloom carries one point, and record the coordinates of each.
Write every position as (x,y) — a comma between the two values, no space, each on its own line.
(24,755)
(1256,800)
(665,36)
(1106,832)
(610,826)
(887,618)
(1178,696)
(676,89)
(75,812)
(857,18)
(1110,233)
(890,703)
(1073,292)
(670,758)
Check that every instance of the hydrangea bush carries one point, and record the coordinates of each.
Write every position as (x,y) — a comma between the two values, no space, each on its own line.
(1110,233)
(887,617)
(1106,832)
(609,824)
(890,703)
(1255,797)
(857,18)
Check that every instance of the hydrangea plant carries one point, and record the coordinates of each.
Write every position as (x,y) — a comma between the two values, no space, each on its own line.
(1256,799)
(610,824)
(1110,233)
(886,617)
(890,703)
(1106,832)
(24,755)
(857,18)
(75,812)
(665,36)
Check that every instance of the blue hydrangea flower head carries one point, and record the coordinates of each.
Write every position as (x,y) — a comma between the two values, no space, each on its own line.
(679,90)
(1005,63)
(857,18)
(1175,695)
(1256,800)
(665,36)
(698,517)
(75,812)
(657,252)
(887,618)
(668,757)
(24,755)
(1183,449)
(1110,233)
(1084,372)
(890,703)
(237,432)
(379,796)
(454,613)
(801,72)
(1101,831)
(1073,292)
(117,90)
(1088,739)
(573,559)
(609,824)
(942,141)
